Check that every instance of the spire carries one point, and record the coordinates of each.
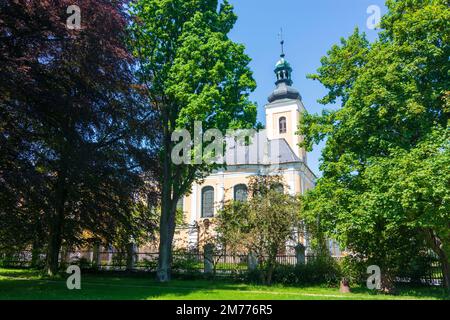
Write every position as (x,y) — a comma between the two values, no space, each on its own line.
(283,72)
(283,69)
(282,55)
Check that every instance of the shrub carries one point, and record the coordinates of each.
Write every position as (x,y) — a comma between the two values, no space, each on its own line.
(148,264)
(318,271)
(187,262)
(353,269)
(418,267)
(415,268)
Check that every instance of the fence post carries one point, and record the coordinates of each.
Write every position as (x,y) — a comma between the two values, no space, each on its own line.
(131,256)
(252,262)
(35,255)
(208,258)
(96,255)
(300,254)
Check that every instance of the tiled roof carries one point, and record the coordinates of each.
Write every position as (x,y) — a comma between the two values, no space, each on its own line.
(265,152)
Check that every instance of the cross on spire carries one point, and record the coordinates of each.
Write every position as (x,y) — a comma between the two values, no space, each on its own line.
(280,35)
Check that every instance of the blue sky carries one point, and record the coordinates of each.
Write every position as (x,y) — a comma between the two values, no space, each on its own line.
(310,28)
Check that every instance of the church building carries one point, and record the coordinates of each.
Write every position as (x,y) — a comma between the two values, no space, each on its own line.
(283,113)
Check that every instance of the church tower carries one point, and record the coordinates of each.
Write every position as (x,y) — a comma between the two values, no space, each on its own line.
(285,108)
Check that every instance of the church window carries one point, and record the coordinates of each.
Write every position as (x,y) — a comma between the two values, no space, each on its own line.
(282,124)
(240,192)
(207,202)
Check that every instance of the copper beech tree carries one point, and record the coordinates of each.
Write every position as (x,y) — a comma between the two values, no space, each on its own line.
(68,115)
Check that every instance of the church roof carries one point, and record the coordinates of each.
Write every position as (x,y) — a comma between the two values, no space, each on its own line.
(277,151)
(284,91)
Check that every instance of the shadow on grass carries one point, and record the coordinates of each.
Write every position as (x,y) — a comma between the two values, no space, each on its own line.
(33,285)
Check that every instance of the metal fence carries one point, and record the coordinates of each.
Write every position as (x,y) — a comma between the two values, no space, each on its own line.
(182,263)
(145,261)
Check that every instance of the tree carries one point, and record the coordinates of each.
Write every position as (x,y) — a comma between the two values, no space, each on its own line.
(68,115)
(262,225)
(192,72)
(394,98)
(412,188)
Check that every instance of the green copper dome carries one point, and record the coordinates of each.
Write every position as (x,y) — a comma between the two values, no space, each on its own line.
(284,89)
(282,64)
(283,71)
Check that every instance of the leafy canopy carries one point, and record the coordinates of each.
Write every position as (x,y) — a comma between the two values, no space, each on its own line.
(385,163)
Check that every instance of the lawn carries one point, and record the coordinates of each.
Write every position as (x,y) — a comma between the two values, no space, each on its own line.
(30,285)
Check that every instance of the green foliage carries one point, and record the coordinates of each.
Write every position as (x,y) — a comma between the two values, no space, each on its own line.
(68,115)
(186,262)
(187,58)
(263,224)
(83,263)
(417,267)
(190,70)
(420,266)
(353,269)
(141,229)
(318,271)
(147,264)
(385,184)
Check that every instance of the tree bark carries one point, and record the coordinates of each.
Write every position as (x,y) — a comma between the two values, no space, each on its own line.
(167,229)
(55,229)
(54,245)
(168,210)
(271,265)
(445,270)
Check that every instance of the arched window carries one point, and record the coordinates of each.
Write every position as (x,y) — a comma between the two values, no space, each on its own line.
(282,124)
(240,192)
(207,202)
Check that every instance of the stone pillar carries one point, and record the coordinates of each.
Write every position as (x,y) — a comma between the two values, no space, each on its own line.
(252,262)
(96,255)
(300,254)
(131,256)
(65,255)
(208,258)
(110,251)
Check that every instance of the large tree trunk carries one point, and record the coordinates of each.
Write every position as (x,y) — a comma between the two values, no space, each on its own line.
(271,265)
(54,245)
(445,270)
(167,229)
(55,228)
(270,269)
(167,220)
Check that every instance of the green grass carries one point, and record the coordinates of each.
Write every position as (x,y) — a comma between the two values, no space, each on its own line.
(30,285)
